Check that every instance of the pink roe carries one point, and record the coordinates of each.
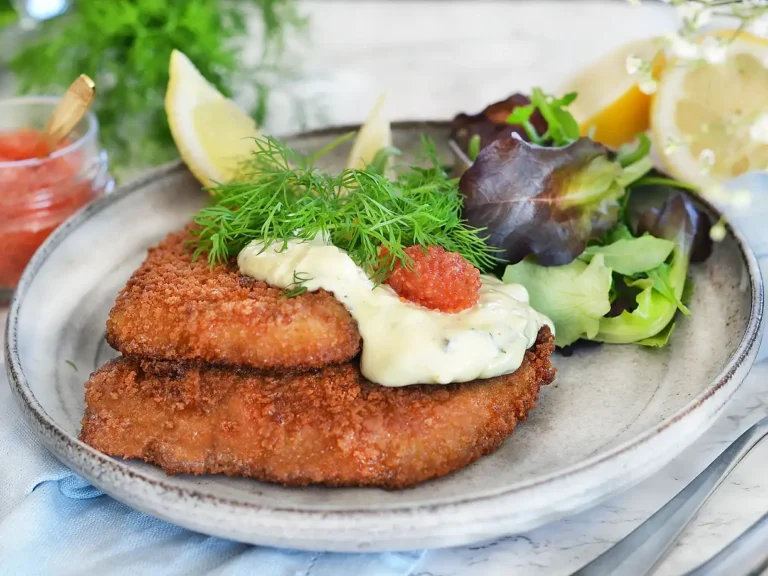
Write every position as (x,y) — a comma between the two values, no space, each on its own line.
(438,280)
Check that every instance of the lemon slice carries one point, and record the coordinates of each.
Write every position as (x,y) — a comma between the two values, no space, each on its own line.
(212,134)
(702,115)
(610,105)
(374,135)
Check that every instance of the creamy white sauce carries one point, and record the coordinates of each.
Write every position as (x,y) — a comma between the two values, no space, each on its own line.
(404,343)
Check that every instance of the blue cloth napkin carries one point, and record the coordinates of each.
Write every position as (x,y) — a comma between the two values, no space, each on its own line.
(53,522)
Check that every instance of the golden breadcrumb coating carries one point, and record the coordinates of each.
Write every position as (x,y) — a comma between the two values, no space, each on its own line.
(329,426)
(175,309)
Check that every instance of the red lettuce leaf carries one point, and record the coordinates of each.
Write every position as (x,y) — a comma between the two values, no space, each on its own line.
(546,202)
(491,124)
(666,212)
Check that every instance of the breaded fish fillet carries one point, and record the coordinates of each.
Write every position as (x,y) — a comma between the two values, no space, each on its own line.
(329,426)
(175,309)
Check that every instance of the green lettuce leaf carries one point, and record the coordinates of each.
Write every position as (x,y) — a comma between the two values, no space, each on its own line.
(662,283)
(630,256)
(659,340)
(633,152)
(575,296)
(634,172)
(662,292)
(652,314)
(618,232)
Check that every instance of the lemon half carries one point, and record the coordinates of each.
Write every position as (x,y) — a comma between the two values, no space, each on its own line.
(702,113)
(610,106)
(212,134)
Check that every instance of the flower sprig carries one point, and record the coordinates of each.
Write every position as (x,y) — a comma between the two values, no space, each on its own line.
(696,43)
(685,45)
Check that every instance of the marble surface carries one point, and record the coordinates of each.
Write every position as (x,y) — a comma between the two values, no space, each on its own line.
(434,58)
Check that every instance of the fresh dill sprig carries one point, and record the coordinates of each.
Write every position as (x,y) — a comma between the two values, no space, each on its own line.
(282,196)
(296,288)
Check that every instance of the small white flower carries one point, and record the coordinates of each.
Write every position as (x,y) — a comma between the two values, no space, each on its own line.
(648,85)
(759,130)
(758,27)
(688,10)
(703,18)
(682,48)
(717,232)
(671,147)
(707,159)
(694,14)
(713,51)
(633,64)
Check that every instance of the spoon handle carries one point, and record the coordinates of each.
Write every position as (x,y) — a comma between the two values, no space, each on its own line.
(640,551)
(71,109)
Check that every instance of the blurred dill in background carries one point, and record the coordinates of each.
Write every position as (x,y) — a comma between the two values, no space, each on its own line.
(7,13)
(125,45)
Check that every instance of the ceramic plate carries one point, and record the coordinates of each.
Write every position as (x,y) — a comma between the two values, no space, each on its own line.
(614,415)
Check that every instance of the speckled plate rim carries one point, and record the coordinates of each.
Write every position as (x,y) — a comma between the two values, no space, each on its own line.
(102,470)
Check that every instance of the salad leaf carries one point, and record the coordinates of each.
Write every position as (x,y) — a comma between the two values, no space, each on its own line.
(619,232)
(575,296)
(543,201)
(630,256)
(630,153)
(678,220)
(491,124)
(663,284)
(473,148)
(659,340)
(562,128)
(633,172)
(651,315)
(642,213)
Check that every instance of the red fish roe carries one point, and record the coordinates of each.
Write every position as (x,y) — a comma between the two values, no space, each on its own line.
(438,280)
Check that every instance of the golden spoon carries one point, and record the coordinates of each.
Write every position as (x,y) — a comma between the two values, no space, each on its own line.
(73,106)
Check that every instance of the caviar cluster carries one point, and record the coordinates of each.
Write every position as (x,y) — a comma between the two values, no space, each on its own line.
(437,279)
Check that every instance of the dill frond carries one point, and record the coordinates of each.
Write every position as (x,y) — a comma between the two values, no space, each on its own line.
(282,196)
(296,288)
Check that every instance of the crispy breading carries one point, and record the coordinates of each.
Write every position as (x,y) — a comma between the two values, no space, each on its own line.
(175,309)
(329,426)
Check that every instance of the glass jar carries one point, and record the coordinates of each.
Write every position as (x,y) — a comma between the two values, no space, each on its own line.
(38,194)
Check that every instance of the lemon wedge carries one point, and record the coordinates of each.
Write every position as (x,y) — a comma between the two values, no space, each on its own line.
(374,135)
(703,113)
(610,105)
(211,133)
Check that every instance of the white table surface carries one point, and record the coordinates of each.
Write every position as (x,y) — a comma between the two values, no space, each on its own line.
(435,58)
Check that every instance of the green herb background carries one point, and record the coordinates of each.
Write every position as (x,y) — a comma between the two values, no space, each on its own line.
(125,46)
(7,13)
